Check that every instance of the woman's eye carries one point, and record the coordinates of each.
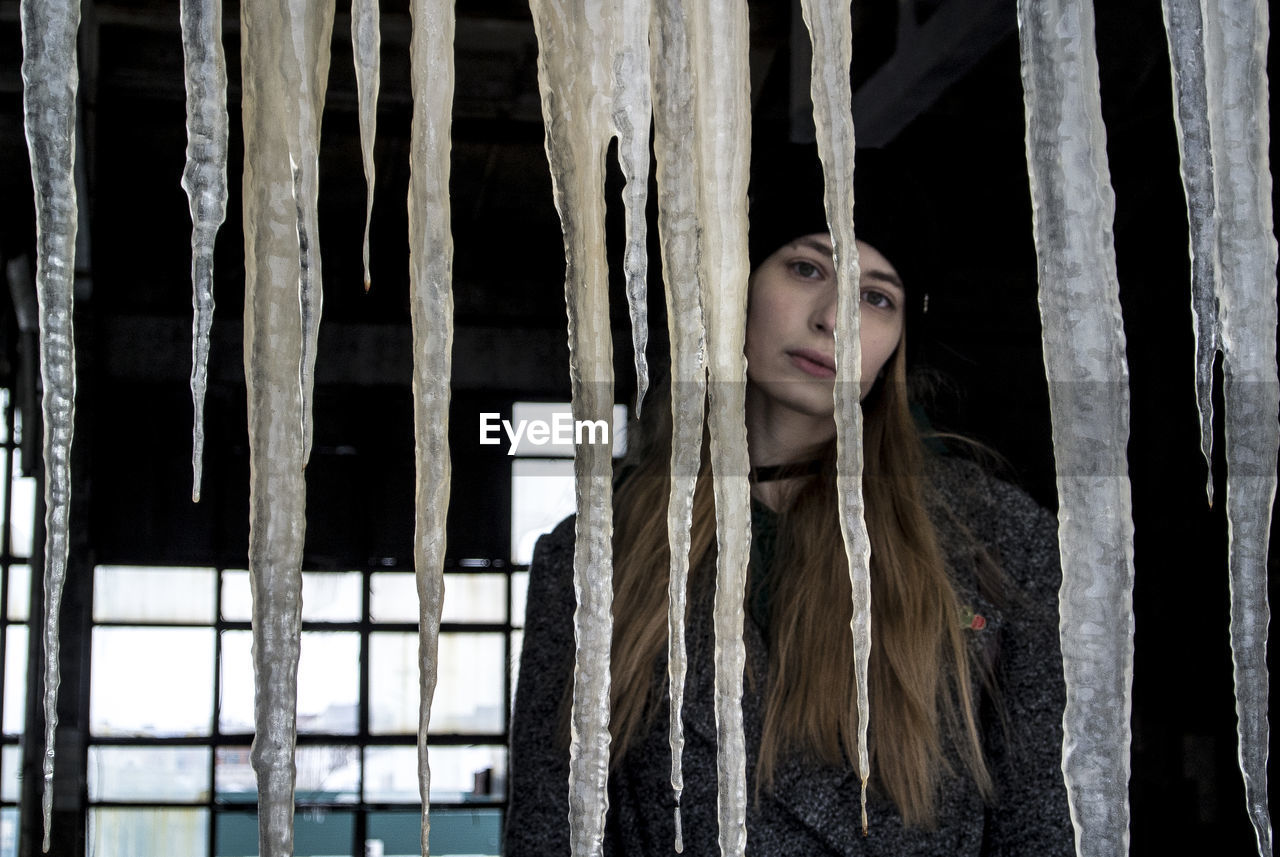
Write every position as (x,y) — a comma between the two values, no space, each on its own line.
(806,270)
(877,299)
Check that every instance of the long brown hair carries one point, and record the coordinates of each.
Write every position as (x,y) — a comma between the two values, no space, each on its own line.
(921,677)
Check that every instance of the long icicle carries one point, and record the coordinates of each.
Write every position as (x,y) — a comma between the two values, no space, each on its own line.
(1073,208)
(719,45)
(632,109)
(205,181)
(280,112)
(573,69)
(678,234)
(366,44)
(310,28)
(1235,62)
(830,30)
(1184,27)
(50,79)
(431,288)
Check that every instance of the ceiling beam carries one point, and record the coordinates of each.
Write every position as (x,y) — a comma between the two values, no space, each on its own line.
(929,58)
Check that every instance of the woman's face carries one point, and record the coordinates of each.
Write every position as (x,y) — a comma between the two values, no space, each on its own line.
(790,344)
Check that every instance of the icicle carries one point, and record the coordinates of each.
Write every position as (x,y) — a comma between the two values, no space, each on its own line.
(574,67)
(366,43)
(431,278)
(1235,62)
(631,112)
(1191,115)
(1073,208)
(284,61)
(678,233)
(310,28)
(830,31)
(50,79)
(205,181)
(718,45)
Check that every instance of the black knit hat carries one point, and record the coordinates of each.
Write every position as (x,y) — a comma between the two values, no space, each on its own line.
(890,213)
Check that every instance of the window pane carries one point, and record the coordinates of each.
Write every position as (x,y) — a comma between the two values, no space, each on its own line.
(475,598)
(10,761)
(237,600)
(133,594)
(541,496)
(458,774)
(316,833)
(326,774)
(330,596)
(176,774)
(151,681)
(519,597)
(233,779)
(15,679)
(393,683)
(19,592)
(22,512)
(453,832)
(327,596)
(328,682)
(467,598)
(148,832)
(9,832)
(391,774)
(393,597)
(469,687)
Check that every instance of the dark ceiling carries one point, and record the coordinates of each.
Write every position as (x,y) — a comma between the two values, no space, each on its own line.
(939,84)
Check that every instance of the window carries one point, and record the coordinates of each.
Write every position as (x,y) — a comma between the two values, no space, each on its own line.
(171,696)
(17,520)
(542,492)
(171,713)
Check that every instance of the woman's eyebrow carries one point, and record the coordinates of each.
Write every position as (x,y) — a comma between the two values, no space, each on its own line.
(813,244)
(885,277)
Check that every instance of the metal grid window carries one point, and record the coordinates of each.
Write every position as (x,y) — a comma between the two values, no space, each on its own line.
(17,518)
(171,697)
(171,709)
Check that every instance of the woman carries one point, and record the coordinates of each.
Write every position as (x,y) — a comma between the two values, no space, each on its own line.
(965,678)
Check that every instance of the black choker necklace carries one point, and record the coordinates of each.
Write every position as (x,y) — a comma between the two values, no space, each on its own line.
(774,472)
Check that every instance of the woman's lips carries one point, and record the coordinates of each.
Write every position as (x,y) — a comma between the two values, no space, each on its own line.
(813,363)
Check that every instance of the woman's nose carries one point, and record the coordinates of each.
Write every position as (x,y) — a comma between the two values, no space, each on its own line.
(824,314)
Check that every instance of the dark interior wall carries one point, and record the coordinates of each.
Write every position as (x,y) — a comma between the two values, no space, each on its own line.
(982,330)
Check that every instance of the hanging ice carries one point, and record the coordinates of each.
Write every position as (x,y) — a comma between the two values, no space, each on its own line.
(1073,208)
(574,70)
(309,26)
(284,62)
(718,45)
(1235,39)
(631,111)
(678,233)
(431,303)
(366,43)
(50,79)
(1191,115)
(830,31)
(205,181)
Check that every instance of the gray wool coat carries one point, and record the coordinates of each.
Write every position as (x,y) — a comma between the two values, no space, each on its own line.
(813,809)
